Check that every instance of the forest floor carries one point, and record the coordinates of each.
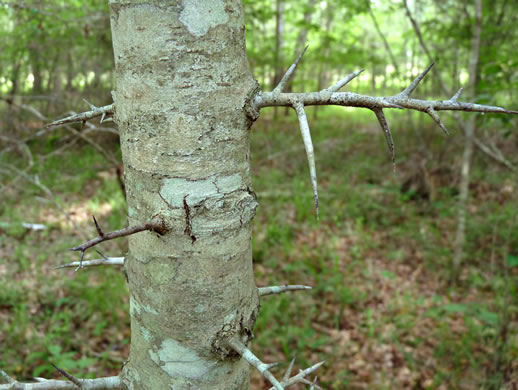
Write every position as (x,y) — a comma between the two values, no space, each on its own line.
(382,312)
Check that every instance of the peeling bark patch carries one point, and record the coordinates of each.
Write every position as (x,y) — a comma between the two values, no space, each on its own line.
(200,15)
(174,191)
(188,227)
(179,361)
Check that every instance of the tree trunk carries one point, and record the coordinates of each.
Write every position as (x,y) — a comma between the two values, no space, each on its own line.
(15,77)
(182,84)
(383,39)
(34,55)
(470,129)
(279,45)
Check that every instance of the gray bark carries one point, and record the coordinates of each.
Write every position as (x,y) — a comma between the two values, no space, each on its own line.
(182,85)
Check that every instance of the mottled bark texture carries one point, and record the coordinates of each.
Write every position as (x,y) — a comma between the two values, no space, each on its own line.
(182,87)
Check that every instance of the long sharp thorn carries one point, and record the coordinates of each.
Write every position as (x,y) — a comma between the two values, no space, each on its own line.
(340,84)
(311,369)
(97,227)
(455,97)
(287,76)
(386,131)
(287,375)
(313,384)
(103,117)
(308,144)
(430,111)
(71,378)
(408,91)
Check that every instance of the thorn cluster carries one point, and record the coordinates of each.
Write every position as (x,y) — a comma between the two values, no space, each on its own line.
(103,112)
(264,368)
(331,96)
(154,225)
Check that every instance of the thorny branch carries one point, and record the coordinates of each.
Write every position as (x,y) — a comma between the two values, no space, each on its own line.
(350,99)
(94,262)
(280,289)
(330,96)
(107,383)
(154,225)
(264,368)
(84,116)
(80,134)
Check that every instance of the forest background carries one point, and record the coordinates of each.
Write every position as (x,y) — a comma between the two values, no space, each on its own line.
(385,311)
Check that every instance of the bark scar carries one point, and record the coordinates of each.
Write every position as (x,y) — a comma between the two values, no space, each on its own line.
(188,226)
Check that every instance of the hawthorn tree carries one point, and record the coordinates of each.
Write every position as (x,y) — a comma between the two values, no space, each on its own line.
(184,103)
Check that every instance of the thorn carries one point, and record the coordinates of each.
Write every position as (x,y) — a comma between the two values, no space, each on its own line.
(314,384)
(72,379)
(99,231)
(287,76)
(311,369)
(271,365)
(92,263)
(455,97)
(101,254)
(388,135)
(287,375)
(308,144)
(92,107)
(253,360)
(430,111)
(336,87)
(80,261)
(103,116)
(280,289)
(408,91)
